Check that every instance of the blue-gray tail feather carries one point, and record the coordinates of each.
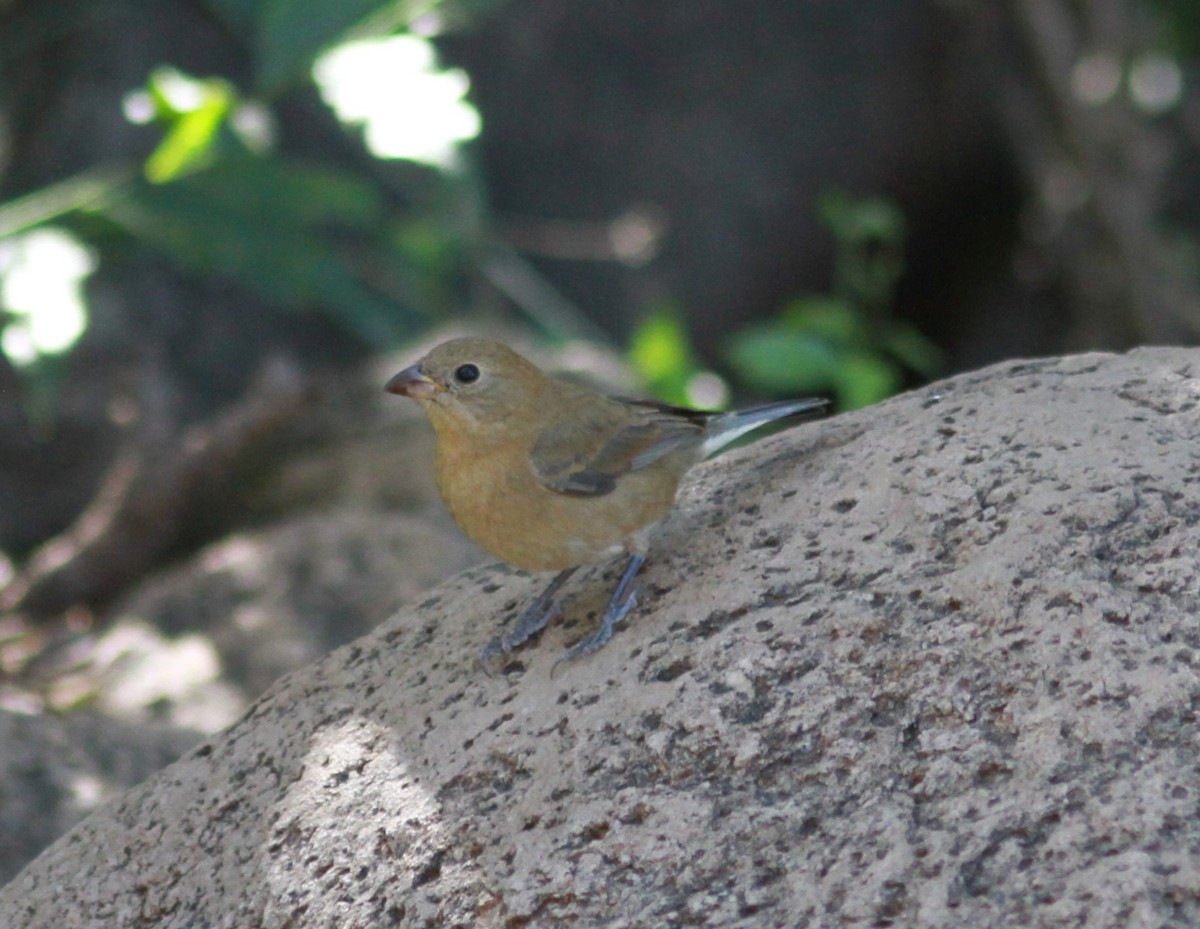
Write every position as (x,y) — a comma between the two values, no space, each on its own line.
(728,427)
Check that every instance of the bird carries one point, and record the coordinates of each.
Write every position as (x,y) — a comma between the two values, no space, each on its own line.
(550,475)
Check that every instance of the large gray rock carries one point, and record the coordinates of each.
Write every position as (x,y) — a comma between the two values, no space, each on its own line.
(930,664)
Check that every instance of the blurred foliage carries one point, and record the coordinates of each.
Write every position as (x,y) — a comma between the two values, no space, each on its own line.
(362,243)
(844,342)
(192,127)
(382,249)
(660,354)
(1181,25)
(278,228)
(287,35)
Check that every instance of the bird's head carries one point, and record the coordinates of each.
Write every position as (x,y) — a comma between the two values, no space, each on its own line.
(471,381)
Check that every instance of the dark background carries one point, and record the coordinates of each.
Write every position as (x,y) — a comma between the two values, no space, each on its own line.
(231,301)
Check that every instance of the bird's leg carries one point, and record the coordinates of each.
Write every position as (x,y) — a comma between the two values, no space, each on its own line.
(533,620)
(618,608)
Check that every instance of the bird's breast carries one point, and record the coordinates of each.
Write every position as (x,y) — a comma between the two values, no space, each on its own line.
(497,500)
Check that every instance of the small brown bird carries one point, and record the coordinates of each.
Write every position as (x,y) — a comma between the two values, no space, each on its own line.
(549,475)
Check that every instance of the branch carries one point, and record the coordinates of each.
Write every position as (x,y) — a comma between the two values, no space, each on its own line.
(137,513)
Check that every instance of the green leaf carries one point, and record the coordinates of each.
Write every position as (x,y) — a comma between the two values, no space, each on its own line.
(858,220)
(661,355)
(659,347)
(863,379)
(84,191)
(281,230)
(778,360)
(905,343)
(273,194)
(189,142)
(830,319)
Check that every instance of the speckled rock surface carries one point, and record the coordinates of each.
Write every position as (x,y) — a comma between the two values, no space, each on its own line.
(931,664)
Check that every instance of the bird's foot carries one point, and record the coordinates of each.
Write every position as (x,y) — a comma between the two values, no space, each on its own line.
(598,639)
(527,626)
(532,621)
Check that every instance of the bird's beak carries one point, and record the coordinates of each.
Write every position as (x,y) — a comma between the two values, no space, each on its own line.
(412,382)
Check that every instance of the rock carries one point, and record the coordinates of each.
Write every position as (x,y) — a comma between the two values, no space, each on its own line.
(346,526)
(930,664)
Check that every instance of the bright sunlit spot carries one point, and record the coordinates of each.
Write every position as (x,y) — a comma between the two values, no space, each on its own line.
(181,92)
(138,107)
(1155,83)
(41,289)
(408,107)
(1096,78)
(708,391)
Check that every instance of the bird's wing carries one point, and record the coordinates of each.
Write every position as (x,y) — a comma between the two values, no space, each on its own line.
(584,453)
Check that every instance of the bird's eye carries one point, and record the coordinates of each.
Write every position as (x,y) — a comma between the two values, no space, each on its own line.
(466,374)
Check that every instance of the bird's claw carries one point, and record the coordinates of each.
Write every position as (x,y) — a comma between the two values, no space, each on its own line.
(598,639)
(504,645)
(498,646)
(532,621)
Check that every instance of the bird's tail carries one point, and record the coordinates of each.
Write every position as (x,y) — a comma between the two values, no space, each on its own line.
(728,427)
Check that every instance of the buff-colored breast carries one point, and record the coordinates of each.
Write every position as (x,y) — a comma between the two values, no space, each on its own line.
(494,495)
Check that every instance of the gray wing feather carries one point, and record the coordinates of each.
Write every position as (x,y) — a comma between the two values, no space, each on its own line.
(586,457)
